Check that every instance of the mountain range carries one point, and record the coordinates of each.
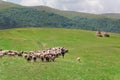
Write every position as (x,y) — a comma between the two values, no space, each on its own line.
(17,16)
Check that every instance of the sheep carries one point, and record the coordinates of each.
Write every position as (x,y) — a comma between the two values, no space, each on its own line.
(42,57)
(11,53)
(53,58)
(99,34)
(106,34)
(5,52)
(49,54)
(34,58)
(78,59)
(57,51)
(25,55)
(63,51)
(28,58)
(20,53)
(47,57)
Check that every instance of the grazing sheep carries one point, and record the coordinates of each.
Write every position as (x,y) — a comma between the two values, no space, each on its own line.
(25,55)
(53,58)
(78,59)
(5,52)
(42,57)
(34,58)
(47,57)
(20,53)
(49,54)
(63,51)
(28,58)
(106,34)
(99,34)
(11,53)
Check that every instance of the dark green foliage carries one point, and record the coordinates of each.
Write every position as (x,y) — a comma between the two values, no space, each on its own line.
(23,17)
(16,16)
(103,24)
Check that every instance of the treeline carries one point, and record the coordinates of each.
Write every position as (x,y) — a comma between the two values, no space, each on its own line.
(28,17)
(31,17)
(102,24)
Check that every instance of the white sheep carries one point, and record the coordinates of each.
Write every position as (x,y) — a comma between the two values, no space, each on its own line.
(78,59)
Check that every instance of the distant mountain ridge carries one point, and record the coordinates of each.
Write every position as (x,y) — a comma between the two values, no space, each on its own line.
(16,16)
(112,15)
(6,5)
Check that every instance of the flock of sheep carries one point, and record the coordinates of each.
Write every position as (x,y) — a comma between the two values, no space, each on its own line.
(44,55)
(99,34)
(48,55)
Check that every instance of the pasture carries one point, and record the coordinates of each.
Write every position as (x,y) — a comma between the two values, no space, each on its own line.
(100,56)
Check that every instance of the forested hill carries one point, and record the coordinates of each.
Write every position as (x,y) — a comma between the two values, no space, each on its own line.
(14,16)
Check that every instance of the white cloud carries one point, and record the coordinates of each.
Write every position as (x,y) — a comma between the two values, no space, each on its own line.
(91,6)
(32,2)
(51,3)
(4,0)
(111,6)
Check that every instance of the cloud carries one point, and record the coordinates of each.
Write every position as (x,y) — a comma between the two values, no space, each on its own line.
(91,6)
(32,2)
(13,1)
(4,0)
(111,6)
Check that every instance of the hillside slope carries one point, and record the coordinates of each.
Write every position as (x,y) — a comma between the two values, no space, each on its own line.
(6,5)
(99,55)
(29,17)
(13,16)
(68,14)
(112,15)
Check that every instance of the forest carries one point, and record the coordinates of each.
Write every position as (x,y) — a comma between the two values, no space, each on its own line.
(19,17)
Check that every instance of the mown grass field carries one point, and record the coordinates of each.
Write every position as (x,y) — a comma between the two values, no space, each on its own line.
(100,57)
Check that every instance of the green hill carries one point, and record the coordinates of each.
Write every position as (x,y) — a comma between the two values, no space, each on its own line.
(29,17)
(16,16)
(7,5)
(112,15)
(99,55)
(68,14)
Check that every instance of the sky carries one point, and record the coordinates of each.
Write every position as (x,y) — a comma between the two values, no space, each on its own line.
(88,6)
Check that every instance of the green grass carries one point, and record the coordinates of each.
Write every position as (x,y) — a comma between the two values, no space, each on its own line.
(99,56)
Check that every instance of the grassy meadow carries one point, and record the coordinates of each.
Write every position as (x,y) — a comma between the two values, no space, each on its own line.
(100,56)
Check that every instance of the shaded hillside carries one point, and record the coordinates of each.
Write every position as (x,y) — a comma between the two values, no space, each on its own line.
(14,16)
(69,14)
(112,15)
(29,17)
(102,24)
(72,14)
